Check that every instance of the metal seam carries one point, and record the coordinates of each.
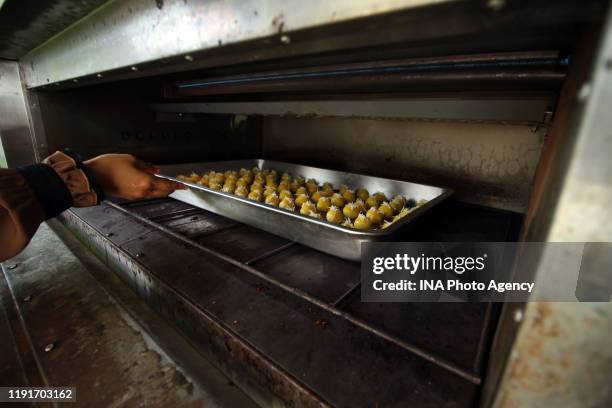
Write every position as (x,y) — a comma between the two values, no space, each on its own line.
(474,379)
(26,332)
(269,253)
(208,316)
(346,295)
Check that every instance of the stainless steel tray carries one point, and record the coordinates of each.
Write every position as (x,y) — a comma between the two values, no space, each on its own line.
(316,233)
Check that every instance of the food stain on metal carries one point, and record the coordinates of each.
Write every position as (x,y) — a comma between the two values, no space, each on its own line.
(545,345)
(278,22)
(321,323)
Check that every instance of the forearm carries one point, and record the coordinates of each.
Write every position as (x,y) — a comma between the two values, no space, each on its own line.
(12,238)
(20,213)
(32,194)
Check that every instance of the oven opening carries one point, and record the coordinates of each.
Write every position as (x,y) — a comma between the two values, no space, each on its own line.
(443,140)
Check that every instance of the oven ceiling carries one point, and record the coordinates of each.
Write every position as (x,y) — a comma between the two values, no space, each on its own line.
(25,24)
(138,38)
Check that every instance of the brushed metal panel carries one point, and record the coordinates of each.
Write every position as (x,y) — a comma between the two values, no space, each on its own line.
(128,33)
(14,121)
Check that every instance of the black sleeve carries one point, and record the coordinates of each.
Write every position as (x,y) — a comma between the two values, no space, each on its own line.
(48,187)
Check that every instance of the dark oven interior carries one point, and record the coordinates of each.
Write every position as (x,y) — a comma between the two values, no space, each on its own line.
(282,318)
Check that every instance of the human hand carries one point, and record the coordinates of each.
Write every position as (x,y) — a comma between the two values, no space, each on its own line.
(125,176)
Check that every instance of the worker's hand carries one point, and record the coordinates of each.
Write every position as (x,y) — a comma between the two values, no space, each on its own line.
(123,175)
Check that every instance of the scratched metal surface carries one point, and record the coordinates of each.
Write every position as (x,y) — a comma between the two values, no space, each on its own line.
(237,299)
(330,279)
(267,317)
(61,317)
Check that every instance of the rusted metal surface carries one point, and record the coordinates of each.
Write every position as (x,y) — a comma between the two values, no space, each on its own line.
(561,354)
(553,365)
(215,300)
(546,183)
(79,337)
(553,163)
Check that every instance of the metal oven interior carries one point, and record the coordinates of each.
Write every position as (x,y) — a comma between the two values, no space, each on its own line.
(471,108)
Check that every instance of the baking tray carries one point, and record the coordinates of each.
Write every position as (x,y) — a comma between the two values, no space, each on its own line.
(333,239)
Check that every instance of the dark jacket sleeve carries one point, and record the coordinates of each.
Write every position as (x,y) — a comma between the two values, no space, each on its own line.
(31,194)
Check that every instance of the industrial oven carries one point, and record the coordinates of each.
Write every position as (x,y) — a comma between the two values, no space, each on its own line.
(486,100)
